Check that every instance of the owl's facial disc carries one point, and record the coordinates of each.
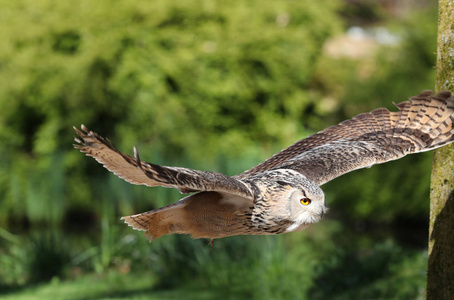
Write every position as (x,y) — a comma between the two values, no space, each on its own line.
(306,206)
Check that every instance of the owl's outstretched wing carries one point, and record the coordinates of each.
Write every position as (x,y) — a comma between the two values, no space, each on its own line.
(421,124)
(135,171)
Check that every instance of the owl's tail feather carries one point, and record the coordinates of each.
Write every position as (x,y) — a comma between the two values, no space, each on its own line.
(158,222)
(208,215)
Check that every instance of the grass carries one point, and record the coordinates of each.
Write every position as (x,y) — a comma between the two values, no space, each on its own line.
(308,265)
(112,285)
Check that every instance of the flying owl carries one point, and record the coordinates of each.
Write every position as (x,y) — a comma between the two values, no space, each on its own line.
(283,193)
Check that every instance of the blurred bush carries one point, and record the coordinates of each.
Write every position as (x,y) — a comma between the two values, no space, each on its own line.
(189,81)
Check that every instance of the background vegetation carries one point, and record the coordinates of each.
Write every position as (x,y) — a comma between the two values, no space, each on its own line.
(213,85)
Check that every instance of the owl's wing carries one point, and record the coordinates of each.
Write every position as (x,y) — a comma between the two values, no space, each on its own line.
(421,124)
(135,171)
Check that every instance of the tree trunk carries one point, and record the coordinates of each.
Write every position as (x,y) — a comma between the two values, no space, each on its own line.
(440,274)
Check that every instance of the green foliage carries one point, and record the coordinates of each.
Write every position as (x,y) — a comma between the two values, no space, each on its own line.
(262,267)
(380,272)
(47,257)
(136,68)
(14,264)
(190,80)
(257,267)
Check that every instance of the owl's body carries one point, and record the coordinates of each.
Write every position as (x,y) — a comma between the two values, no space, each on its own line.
(217,214)
(283,193)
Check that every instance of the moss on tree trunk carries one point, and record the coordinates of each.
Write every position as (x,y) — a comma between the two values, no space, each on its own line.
(440,277)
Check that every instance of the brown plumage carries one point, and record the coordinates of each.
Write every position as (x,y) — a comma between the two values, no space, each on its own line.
(203,215)
(281,194)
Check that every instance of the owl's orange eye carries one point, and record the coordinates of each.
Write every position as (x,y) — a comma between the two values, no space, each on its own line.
(305,201)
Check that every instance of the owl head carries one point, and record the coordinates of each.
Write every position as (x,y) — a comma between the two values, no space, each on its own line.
(287,198)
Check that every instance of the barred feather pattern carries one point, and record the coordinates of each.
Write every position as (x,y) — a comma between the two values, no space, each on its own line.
(423,123)
(136,171)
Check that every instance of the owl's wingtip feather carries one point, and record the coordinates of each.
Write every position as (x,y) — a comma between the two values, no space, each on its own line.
(84,128)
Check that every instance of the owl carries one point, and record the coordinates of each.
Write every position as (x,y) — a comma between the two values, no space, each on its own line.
(283,193)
